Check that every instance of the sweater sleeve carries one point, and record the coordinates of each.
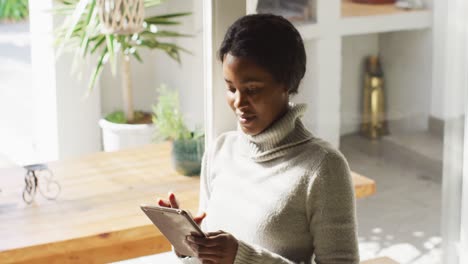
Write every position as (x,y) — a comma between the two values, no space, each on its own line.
(331,208)
(251,254)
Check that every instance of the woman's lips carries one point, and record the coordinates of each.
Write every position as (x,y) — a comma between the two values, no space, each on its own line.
(245,120)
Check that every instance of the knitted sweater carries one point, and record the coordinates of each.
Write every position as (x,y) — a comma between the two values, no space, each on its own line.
(285,195)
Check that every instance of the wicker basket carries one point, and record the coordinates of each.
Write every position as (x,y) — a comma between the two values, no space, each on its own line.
(123,17)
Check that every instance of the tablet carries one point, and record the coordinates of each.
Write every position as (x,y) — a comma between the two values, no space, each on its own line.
(175,225)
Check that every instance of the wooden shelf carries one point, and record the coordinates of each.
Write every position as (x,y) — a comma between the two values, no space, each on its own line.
(365,19)
(352,9)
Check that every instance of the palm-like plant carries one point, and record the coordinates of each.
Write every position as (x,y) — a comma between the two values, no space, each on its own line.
(82,32)
(13,10)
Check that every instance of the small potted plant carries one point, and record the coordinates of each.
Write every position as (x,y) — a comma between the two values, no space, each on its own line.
(187,146)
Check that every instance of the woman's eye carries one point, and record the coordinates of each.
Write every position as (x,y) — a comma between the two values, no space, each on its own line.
(231,89)
(253,90)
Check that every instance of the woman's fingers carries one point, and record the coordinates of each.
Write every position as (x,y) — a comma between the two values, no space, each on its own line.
(202,241)
(208,258)
(199,218)
(163,203)
(219,247)
(173,201)
(210,234)
(206,253)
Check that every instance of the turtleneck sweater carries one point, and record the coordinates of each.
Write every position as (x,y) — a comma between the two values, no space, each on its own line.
(285,195)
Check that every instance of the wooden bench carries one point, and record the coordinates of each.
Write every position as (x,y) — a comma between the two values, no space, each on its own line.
(96,218)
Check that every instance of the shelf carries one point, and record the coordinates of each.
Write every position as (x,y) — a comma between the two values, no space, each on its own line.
(365,19)
(352,9)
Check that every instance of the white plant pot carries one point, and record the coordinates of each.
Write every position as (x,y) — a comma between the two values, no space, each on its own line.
(121,136)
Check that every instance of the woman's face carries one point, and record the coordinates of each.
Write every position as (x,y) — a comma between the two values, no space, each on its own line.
(253,94)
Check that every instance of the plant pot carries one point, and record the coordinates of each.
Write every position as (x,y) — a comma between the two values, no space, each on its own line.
(187,155)
(121,136)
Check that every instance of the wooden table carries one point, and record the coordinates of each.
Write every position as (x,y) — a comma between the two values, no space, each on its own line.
(97,217)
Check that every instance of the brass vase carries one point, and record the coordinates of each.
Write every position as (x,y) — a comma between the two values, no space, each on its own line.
(374,123)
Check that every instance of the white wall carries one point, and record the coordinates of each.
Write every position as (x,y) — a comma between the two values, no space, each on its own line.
(16,130)
(158,68)
(440,14)
(446,29)
(407,58)
(308,85)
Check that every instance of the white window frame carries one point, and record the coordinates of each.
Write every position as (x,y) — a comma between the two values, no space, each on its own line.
(451,71)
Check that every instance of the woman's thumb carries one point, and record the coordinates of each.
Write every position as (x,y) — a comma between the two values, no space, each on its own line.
(198,219)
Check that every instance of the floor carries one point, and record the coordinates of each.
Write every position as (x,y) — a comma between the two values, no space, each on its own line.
(402,220)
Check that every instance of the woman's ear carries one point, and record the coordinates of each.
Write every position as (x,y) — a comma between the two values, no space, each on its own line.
(286,89)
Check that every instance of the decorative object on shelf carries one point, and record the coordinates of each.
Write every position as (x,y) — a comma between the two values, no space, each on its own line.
(13,10)
(39,176)
(116,30)
(293,10)
(187,146)
(375,2)
(410,4)
(374,123)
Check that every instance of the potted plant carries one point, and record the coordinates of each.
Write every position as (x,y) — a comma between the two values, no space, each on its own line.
(187,146)
(116,31)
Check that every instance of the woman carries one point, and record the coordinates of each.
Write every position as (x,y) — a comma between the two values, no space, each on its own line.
(276,193)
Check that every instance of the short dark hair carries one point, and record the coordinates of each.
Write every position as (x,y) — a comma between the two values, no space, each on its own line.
(270,41)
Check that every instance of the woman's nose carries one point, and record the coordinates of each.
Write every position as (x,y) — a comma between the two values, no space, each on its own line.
(240,100)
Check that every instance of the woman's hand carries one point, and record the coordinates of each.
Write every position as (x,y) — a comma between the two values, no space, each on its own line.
(172,203)
(217,248)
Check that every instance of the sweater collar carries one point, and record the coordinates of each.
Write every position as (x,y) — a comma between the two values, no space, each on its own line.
(288,131)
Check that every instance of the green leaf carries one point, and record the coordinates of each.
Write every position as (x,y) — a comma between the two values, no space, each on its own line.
(164,33)
(84,36)
(84,46)
(137,56)
(117,117)
(161,22)
(97,70)
(169,47)
(171,15)
(100,40)
(110,48)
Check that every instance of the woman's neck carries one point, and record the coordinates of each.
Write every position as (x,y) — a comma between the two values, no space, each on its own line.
(286,131)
